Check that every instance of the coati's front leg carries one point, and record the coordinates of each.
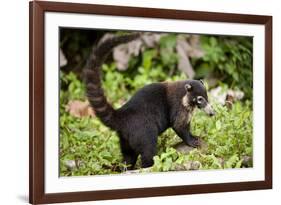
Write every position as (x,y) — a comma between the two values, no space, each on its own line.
(183,131)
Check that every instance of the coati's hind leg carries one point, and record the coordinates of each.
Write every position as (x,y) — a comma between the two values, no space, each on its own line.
(129,155)
(149,150)
(147,158)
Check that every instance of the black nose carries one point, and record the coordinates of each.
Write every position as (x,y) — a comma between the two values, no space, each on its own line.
(212,114)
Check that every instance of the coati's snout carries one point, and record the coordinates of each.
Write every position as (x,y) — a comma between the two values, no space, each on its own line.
(196,91)
(208,109)
(203,104)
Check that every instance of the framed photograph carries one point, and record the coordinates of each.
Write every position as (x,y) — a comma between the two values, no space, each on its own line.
(132,102)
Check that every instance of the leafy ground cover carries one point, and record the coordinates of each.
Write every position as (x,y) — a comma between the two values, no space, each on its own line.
(87,147)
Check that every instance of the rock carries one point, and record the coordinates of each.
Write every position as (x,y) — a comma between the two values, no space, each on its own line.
(184,64)
(123,53)
(180,167)
(183,148)
(136,171)
(192,165)
(195,50)
(151,39)
(226,97)
(247,161)
(70,164)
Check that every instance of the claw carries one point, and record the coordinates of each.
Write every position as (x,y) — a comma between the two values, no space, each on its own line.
(194,142)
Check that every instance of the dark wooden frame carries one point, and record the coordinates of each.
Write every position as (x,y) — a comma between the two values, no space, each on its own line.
(36,100)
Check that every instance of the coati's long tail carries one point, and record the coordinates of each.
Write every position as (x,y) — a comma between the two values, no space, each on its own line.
(94,90)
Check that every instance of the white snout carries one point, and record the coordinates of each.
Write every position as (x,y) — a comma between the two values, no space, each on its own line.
(208,109)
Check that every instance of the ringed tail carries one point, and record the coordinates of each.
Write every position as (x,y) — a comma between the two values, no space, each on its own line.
(103,110)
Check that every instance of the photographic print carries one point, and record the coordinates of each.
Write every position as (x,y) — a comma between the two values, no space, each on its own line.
(141,102)
(132,102)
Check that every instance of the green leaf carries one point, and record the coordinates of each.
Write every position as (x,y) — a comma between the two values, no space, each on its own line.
(218,124)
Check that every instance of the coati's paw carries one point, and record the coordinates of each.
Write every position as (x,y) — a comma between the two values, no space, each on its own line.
(194,142)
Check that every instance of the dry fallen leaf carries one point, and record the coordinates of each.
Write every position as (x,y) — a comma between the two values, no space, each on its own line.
(79,108)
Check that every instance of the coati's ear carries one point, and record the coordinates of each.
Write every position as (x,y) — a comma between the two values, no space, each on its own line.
(202,82)
(188,87)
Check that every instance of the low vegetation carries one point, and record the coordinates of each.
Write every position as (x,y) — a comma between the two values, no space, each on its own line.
(87,147)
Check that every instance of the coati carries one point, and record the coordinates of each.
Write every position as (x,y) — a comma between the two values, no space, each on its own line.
(152,110)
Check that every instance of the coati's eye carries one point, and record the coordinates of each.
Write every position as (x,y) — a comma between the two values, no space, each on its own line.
(199,99)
